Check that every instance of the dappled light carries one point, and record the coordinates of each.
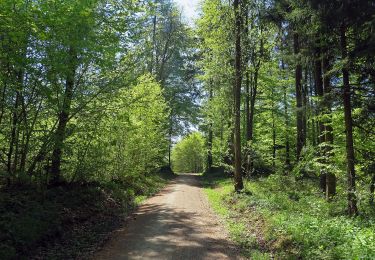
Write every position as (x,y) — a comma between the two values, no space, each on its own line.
(187,129)
(175,224)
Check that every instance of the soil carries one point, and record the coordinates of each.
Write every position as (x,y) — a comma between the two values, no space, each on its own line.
(177,223)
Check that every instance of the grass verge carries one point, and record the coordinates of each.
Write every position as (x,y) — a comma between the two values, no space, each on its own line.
(279,217)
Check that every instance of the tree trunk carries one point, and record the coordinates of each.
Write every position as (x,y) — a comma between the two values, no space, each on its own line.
(273,133)
(299,98)
(12,141)
(330,188)
(247,122)
(312,111)
(253,95)
(2,103)
(238,185)
(63,119)
(210,135)
(247,83)
(372,189)
(153,58)
(319,91)
(250,120)
(352,199)
(286,114)
(305,104)
(170,142)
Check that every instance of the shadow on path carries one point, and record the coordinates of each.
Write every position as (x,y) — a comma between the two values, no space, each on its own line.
(175,224)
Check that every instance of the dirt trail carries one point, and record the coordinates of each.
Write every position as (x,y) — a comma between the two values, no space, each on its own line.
(175,224)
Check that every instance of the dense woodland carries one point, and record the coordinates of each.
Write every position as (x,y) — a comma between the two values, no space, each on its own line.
(289,91)
(91,89)
(97,93)
(92,93)
(300,99)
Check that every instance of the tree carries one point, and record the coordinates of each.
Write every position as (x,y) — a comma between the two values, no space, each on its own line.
(188,155)
(238,185)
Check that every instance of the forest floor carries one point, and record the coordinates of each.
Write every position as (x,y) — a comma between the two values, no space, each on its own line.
(281,217)
(177,223)
(70,221)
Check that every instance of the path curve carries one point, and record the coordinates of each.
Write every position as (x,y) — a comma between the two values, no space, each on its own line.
(177,223)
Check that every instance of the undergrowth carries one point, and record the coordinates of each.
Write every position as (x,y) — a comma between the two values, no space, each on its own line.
(68,221)
(284,218)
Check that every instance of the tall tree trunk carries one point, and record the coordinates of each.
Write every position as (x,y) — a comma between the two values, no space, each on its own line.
(247,105)
(27,135)
(273,132)
(330,188)
(372,189)
(210,135)
(247,122)
(13,135)
(299,98)
(247,82)
(321,138)
(2,102)
(305,103)
(153,58)
(170,141)
(238,184)
(312,112)
(63,118)
(253,95)
(352,199)
(286,114)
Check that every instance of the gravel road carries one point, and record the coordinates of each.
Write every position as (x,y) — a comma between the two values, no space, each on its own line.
(177,223)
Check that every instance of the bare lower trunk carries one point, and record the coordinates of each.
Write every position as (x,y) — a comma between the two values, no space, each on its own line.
(13,137)
(273,141)
(321,139)
(304,105)
(210,137)
(286,114)
(253,96)
(352,199)
(328,130)
(63,119)
(238,185)
(372,189)
(247,107)
(299,98)
(170,144)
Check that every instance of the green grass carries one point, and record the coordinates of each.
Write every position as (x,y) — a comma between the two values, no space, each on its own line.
(290,219)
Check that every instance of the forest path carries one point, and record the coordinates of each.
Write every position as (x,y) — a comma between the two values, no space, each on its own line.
(177,223)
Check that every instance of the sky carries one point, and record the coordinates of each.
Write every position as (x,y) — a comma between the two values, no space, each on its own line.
(189,9)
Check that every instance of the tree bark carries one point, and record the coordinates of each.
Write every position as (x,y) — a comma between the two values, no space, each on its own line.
(153,58)
(286,114)
(210,135)
(372,189)
(305,103)
(253,94)
(319,91)
(63,119)
(170,141)
(299,98)
(351,177)
(273,132)
(330,188)
(238,184)
(12,142)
